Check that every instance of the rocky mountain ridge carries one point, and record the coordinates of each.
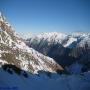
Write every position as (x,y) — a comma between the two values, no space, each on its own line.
(14,51)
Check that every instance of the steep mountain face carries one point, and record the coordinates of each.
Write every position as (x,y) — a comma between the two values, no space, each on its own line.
(65,49)
(15,52)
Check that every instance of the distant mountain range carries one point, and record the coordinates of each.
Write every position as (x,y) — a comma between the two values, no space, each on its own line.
(64,49)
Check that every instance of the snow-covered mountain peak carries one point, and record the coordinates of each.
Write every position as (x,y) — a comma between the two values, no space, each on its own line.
(53,37)
(80,34)
(51,34)
(2,18)
(44,35)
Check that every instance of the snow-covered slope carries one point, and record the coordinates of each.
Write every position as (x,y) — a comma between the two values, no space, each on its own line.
(43,82)
(14,51)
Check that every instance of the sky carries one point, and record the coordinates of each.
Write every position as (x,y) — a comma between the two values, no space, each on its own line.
(37,16)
